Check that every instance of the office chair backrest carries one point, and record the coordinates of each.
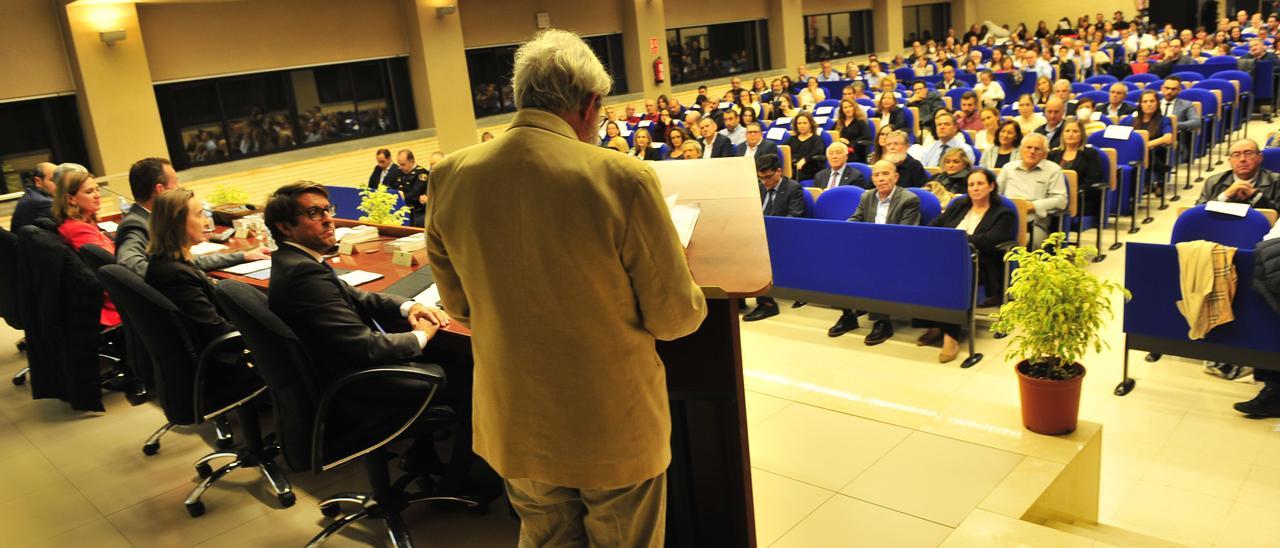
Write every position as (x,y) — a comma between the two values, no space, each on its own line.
(96,257)
(837,204)
(9,287)
(930,207)
(282,362)
(161,328)
(1271,159)
(1225,87)
(1238,232)
(1106,79)
(1100,99)
(1080,87)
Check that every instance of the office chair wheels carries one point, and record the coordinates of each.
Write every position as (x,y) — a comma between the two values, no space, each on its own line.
(195,509)
(204,470)
(330,510)
(287,499)
(151,448)
(19,379)
(136,397)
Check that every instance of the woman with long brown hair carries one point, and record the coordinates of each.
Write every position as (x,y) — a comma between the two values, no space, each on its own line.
(75,208)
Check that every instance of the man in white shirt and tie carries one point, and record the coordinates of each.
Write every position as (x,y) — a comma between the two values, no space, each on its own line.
(839,172)
(948,138)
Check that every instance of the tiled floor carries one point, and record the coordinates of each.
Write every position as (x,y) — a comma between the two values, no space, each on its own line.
(834,428)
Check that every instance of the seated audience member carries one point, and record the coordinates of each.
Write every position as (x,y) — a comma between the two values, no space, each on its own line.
(1086,112)
(1087,161)
(619,144)
(484,138)
(691,150)
(949,81)
(642,148)
(732,129)
(1044,90)
(384,168)
(811,95)
(714,145)
(989,91)
(968,117)
(1247,182)
(853,130)
(691,119)
(756,145)
(828,74)
(1117,107)
(75,209)
(927,103)
(780,196)
(148,179)
(785,108)
(922,67)
(838,172)
(37,199)
(611,130)
(1062,90)
(1037,180)
(331,318)
(1159,134)
(1028,119)
(908,171)
(1054,113)
(889,115)
(747,116)
(954,177)
(701,98)
(887,204)
(676,136)
(948,138)
(1142,64)
(984,217)
(807,150)
(1180,109)
(986,137)
(1008,140)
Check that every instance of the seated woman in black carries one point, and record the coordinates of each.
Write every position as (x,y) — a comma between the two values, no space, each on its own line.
(177,223)
(853,129)
(808,154)
(889,114)
(984,217)
(1075,154)
(1159,135)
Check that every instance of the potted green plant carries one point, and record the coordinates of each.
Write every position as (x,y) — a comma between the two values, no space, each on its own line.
(380,208)
(1054,315)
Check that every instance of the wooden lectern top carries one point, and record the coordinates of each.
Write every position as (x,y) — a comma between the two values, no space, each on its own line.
(728,255)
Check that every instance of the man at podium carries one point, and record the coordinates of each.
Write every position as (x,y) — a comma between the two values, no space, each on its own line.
(565,304)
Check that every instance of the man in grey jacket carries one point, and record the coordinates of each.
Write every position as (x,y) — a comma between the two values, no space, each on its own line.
(147,178)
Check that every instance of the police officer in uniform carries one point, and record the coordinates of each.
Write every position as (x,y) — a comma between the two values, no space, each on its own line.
(412,185)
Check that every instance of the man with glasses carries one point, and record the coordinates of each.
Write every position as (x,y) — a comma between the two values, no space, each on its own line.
(756,146)
(949,80)
(341,326)
(928,102)
(1247,182)
(780,196)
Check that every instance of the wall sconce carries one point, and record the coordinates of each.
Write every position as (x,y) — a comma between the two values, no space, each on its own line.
(110,37)
(442,11)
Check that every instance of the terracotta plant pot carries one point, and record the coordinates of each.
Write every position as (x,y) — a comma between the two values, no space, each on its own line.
(1049,407)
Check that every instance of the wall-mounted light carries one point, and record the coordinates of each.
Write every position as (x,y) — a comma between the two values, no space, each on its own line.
(110,37)
(442,11)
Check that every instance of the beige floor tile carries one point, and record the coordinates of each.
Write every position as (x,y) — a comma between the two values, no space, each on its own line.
(163,520)
(820,447)
(1000,427)
(44,514)
(27,472)
(1126,457)
(842,522)
(12,442)
(1262,487)
(902,405)
(1270,450)
(933,478)
(1135,420)
(1219,436)
(762,406)
(1173,514)
(1113,491)
(983,529)
(781,503)
(98,534)
(1022,487)
(1249,526)
(1219,476)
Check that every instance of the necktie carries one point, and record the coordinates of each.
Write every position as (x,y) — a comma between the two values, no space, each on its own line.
(768,201)
(942,152)
(835,180)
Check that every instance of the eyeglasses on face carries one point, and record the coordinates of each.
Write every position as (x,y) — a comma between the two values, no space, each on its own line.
(317,213)
(1243,154)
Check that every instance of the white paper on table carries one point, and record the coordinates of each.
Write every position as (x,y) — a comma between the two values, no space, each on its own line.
(1238,209)
(685,217)
(249,267)
(429,296)
(1117,132)
(357,277)
(671,200)
(204,248)
(108,226)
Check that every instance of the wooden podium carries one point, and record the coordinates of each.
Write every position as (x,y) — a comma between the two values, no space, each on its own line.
(709,482)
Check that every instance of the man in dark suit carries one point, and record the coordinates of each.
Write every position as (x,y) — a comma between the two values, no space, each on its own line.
(1181,110)
(341,326)
(1247,182)
(888,204)
(412,185)
(148,178)
(1116,107)
(838,171)
(384,171)
(714,145)
(949,80)
(1054,112)
(910,172)
(37,200)
(756,145)
(780,196)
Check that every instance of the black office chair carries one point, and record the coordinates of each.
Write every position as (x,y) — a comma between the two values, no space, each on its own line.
(9,291)
(60,304)
(120,341)
(196,387)
(306,413)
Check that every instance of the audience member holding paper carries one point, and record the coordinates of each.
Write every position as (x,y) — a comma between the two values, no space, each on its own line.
(1247,182)
(341,326)
(148,179)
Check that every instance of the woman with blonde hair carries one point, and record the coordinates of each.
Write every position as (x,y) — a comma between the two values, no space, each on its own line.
(75,208)
(642,150)
(691,150)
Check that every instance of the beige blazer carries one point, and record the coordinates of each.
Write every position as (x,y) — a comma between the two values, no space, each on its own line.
(562,259)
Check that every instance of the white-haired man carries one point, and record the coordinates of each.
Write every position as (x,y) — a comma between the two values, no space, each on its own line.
(578,426)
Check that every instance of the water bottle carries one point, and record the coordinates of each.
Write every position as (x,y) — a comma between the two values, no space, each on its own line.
(208,217)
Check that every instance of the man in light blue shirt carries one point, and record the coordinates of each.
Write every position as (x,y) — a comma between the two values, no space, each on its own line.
(944,123)
(828,74)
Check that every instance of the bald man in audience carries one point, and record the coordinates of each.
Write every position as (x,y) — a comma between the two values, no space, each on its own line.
(1036,180)
(1247,182)
(37,200)
(1054,113)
